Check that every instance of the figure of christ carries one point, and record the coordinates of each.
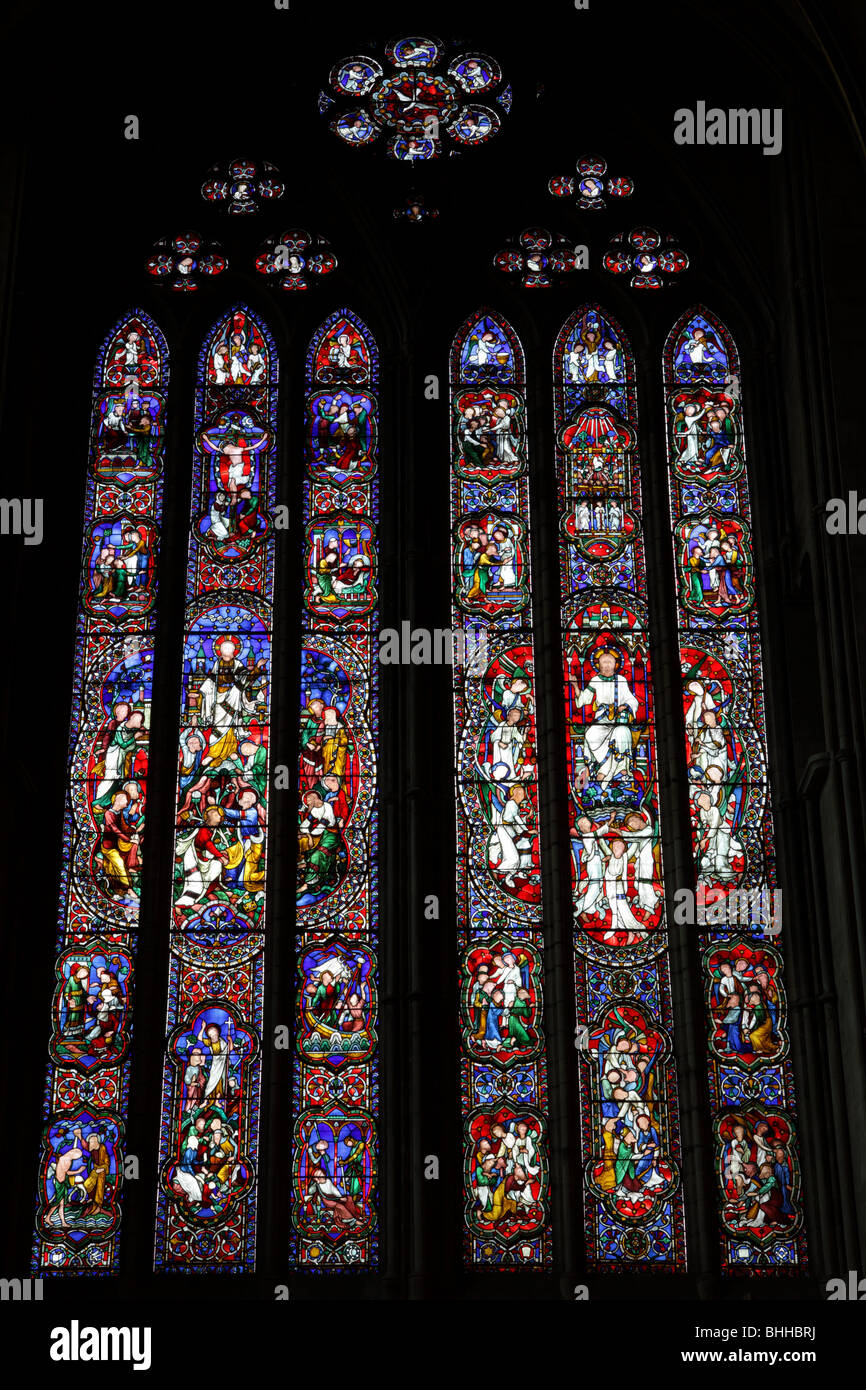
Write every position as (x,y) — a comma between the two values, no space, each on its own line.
(687,429)
(608,740)
(495,1010)
(216,1085)
(730,586)
(769,1198)
(234,468)
(505,438)
(225,702)
(506,577)
(353,1169)
(351,431)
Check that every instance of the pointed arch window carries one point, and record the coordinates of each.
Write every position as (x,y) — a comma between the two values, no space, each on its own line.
(631,1152)
(499,899)
(104,834)
(335,1093)
(206,1211)
(738,907)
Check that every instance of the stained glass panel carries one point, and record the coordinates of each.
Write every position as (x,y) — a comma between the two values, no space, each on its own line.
(335,1096)
(104,835)
(206,1204)
(738,909)
(499,900)
(632,1197)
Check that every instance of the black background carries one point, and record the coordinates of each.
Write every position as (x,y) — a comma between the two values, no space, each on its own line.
(776,246)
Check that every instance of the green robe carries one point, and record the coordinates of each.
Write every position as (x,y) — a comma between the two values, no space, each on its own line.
(75,994)
(516,1028)
(353,1169)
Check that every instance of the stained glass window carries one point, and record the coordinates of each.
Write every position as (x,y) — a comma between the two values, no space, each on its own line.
(499,901)
(425,109)
(210,1119)
(646,256)
(335,1097)
(590,189)
(633,1202)
(738,908)
(104,840)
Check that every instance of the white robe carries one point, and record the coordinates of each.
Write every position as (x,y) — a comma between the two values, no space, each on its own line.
(690,453)
(223,710)
(506,744)
(616,892)
(640,848)
(507,846)
(198,874)
(595,875)
(608,743)
(507,577)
